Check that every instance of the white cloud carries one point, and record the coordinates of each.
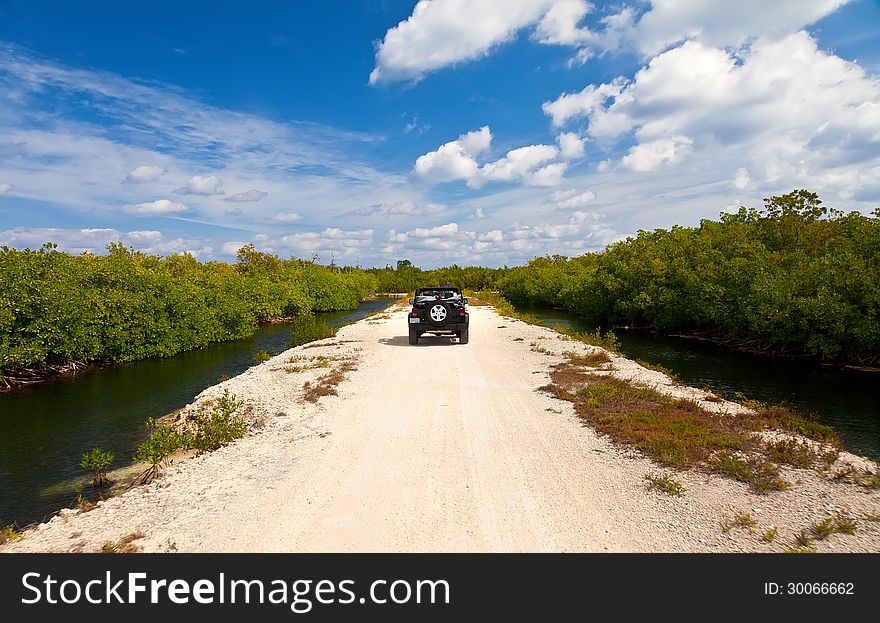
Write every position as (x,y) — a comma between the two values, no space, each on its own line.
(570,145)
(518,164)
(231,247)
(440,33)
(792,114)
(649,156)
(559,26)
(5,188)
(723,24)
(454,160)
(204,185)
(479,214)
(247,196)
(569,199)
(551,175)
(590,99)
(331,244)
(441,231)
(444,32)
(742,181)
(286,217)
(144,173)
(582,56)
(159,206)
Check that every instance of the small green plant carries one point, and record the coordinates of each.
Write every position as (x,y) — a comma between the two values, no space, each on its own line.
(157,449)
(823,529)
(762,475)
(80,500)
(666,484)
(98,460)
(790,451)
(770,535)
(9,533)
(844,525)
(828,459)
(739,520)
(261,355)
(219,426)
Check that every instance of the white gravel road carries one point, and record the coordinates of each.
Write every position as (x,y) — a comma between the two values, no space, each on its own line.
(442,447)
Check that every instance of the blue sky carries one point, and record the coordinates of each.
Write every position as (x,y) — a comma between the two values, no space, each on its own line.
(451,131)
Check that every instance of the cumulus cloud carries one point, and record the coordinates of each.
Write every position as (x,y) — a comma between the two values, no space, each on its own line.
(560,24)
(5,188)
(791,111)
(518,164)
(585,102)
(454,160)
(333,243)
(649,156)
(441,33)
(159,206)
(570,145)
(286,217)
(444,32)
(457,160)
(724,24)
(569,199)
(144,173)
(247,196)
(204,185)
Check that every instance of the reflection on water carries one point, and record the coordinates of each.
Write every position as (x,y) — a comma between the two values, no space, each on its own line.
(846,399)
(46,428)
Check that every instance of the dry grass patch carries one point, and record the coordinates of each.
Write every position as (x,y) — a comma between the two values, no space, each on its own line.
(673,432)
(326,385)
(125,545)
(681,434)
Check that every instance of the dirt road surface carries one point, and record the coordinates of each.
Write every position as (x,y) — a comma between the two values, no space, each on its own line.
(438,447)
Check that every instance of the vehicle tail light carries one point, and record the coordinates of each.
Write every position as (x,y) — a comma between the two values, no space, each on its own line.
(414,312)
(461,311)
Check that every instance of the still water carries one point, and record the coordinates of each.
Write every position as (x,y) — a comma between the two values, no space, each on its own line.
(45,428)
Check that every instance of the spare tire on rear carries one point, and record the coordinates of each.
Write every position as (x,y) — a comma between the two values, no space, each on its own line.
(438,313)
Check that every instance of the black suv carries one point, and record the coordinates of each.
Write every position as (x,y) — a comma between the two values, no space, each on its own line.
(439,310)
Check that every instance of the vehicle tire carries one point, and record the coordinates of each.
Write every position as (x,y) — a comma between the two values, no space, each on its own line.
(413,337)
(463,336)
(438,313)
